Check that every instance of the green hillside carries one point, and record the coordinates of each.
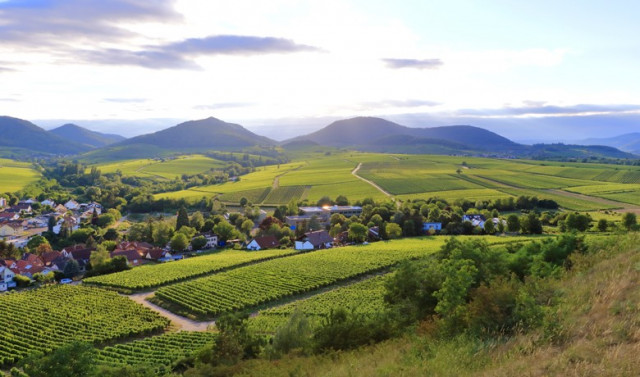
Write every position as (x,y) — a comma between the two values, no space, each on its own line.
(84,136)
(18,133)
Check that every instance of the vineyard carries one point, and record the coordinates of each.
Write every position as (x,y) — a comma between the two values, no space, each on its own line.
(280,278)
(45,318)
(364,297)
(16,175)
(284,194)
(158,352)
(151,276)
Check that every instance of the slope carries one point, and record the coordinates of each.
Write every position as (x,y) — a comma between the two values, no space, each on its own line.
(19,133)
(86,137)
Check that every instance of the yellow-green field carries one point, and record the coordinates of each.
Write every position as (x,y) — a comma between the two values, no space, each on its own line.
(312,175)
(15,175)
(164,169)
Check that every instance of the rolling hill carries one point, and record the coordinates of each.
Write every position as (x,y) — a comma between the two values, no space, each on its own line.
(628,142)
(210,133)
(380,135)
(86,137)
(23,137)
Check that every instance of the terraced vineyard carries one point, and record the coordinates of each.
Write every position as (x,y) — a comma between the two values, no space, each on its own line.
(364,297)
(44,319)
(158,352)
(276,279)
(151,276)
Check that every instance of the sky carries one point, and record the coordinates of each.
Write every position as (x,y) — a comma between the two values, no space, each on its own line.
(543,70)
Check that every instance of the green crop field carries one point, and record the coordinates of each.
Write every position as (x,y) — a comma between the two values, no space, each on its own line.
(453,195)
(280,278)
(284,194)
(164,169)
(364,297)
(44,319)
(15,175)
(151,276)
(255,196)
(158,351)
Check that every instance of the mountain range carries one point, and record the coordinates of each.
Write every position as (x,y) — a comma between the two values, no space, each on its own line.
(360,133)
(628,142)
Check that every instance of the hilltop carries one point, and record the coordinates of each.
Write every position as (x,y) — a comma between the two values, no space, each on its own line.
(23,137)
(81,135)
(628,142)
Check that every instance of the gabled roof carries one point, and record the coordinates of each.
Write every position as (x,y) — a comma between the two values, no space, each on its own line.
(319,237)
(49,256)
(131,254)
(156,253)
(266,242)
(32,259)
(60,262)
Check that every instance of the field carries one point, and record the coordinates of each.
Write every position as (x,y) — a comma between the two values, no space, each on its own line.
(15,175)
(278,279)
(45,318)
(151,276)
(157,351)
(312,175)
(364,297)
(163,169)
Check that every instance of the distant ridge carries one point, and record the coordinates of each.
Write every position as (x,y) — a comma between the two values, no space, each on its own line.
(26,136)
(210,133)
(627,142)
(86,137)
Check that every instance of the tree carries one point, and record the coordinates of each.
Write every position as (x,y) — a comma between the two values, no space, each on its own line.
(179,242)
(603,225)
(324,201)
(105,220)
(197,220)
(90,243)
(188,231)
(36,241)
(162,233)
(246,226)
(393,230)
(51,223)
(489,227)
(99,257)
(94,217)
(198,243)
(183,218)
(629,220)
(513,223)
(243,201)
(71,269)
(111,235)
(225,231)
(533,224)
(358,232)
(342,200)
(43,248)
(75,359)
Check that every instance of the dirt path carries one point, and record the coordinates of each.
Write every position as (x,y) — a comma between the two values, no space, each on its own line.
(183,323)
(355,173)
(621,207)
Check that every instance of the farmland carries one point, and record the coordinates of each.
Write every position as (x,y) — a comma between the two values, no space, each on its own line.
(364,297)
(44,319)
(151,276)
(163,169)
(15,175)
(312,175)
(156,351)
(278,279)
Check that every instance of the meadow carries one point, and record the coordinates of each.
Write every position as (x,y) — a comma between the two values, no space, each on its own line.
(15,175)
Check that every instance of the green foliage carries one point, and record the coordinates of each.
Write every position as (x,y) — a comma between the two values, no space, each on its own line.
(71,268)
(343,330)
(179,242)
(59,314)
(225,231)
(393,230)
(36,241)
(183,218)
(294,335)
(198,243)
(358,232)
(106,220)
(629,220)
(513,223)
(71,360)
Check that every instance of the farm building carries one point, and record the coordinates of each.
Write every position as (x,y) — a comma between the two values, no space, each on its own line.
(265,242)
(435,226)
(315,240)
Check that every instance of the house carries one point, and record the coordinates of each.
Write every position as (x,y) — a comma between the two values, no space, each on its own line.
(157,254)
(374,233)
(72,205)
(11,229)
(60,209)
(141,247)
(212,240)
(475,219)
(49,257)
(67,221)
(315,240)
(20,208)
(59,263)
(3,202)
(429,226)
(80,253)
(6,278)
(8,216)
(32,259)
(27,201)
(132,255)
(48,202)
(264,242)
(324,213)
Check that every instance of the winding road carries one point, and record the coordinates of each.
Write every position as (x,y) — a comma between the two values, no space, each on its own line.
(355,173)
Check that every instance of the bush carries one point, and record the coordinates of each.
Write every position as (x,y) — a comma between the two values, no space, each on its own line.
(343,330)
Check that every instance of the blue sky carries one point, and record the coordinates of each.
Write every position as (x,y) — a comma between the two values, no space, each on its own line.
(284,67)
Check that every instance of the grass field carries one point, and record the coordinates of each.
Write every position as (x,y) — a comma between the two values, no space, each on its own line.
(15,175)
(163,169)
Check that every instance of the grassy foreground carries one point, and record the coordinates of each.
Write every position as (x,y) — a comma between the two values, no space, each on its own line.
(595,332)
